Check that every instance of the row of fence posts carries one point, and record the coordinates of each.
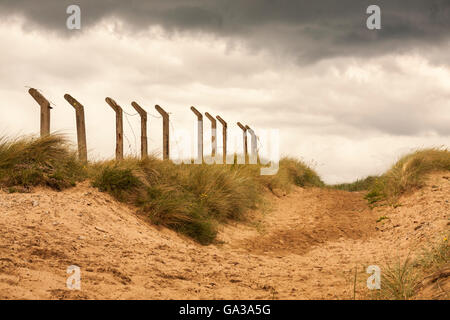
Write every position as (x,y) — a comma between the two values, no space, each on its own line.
(81,129)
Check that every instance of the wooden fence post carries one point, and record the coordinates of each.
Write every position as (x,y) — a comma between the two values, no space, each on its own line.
(81,127)
(45,110)
(213,135)
(119,127)
(143,114)
(165,117)
(224,138)
(244,135)
(200,135)
(254,147)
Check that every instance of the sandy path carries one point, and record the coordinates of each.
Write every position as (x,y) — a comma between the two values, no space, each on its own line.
(305,247)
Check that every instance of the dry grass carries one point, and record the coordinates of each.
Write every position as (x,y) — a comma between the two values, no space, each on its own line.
(194,199)
(48,161)
(359,185)
(191,199)
(402,280)
(406,175)
(399,281)
(292,172)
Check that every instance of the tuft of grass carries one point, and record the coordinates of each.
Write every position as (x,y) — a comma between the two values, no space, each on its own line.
(195,199)
(403,279)
(27,162)
(292,172)
(408,174)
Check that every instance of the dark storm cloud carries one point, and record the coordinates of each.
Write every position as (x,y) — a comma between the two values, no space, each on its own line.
(310,30)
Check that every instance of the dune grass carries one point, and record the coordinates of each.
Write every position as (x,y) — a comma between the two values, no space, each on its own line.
(358,185)
(292,172)
(403,279)
(406,175)
(191,199)
(399,281)
(28,162)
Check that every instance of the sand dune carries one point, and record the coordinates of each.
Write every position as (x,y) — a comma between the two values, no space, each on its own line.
(305,245)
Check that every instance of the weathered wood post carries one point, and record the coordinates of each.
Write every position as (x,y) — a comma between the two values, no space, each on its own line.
(224,138)
(165,117)
(81,127)
(45,110)
(244,135)
(199,159)
(254,147)
(119,127)
(143,114)
(213,135)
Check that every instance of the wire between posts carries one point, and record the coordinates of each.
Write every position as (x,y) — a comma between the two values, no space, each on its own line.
(173,131)
(134,135)
(131,115)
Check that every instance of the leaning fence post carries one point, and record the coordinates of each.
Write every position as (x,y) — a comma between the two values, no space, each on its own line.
(119,127)
(200,135)
(213,134)
(244,135)
(254,147)
(165,117)
(45,110)
(224,138)
(143,114)
(81,127)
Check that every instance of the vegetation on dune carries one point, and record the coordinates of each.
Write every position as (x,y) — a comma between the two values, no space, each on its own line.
(408,174)
(292,172)
(191,199)
(405,175)
(403,280)
(48,161)
(194,199)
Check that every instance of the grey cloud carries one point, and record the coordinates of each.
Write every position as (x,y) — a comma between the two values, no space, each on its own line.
(323,110)
(308,30)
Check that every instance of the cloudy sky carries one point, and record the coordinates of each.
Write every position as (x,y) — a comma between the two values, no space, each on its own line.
(346,99)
